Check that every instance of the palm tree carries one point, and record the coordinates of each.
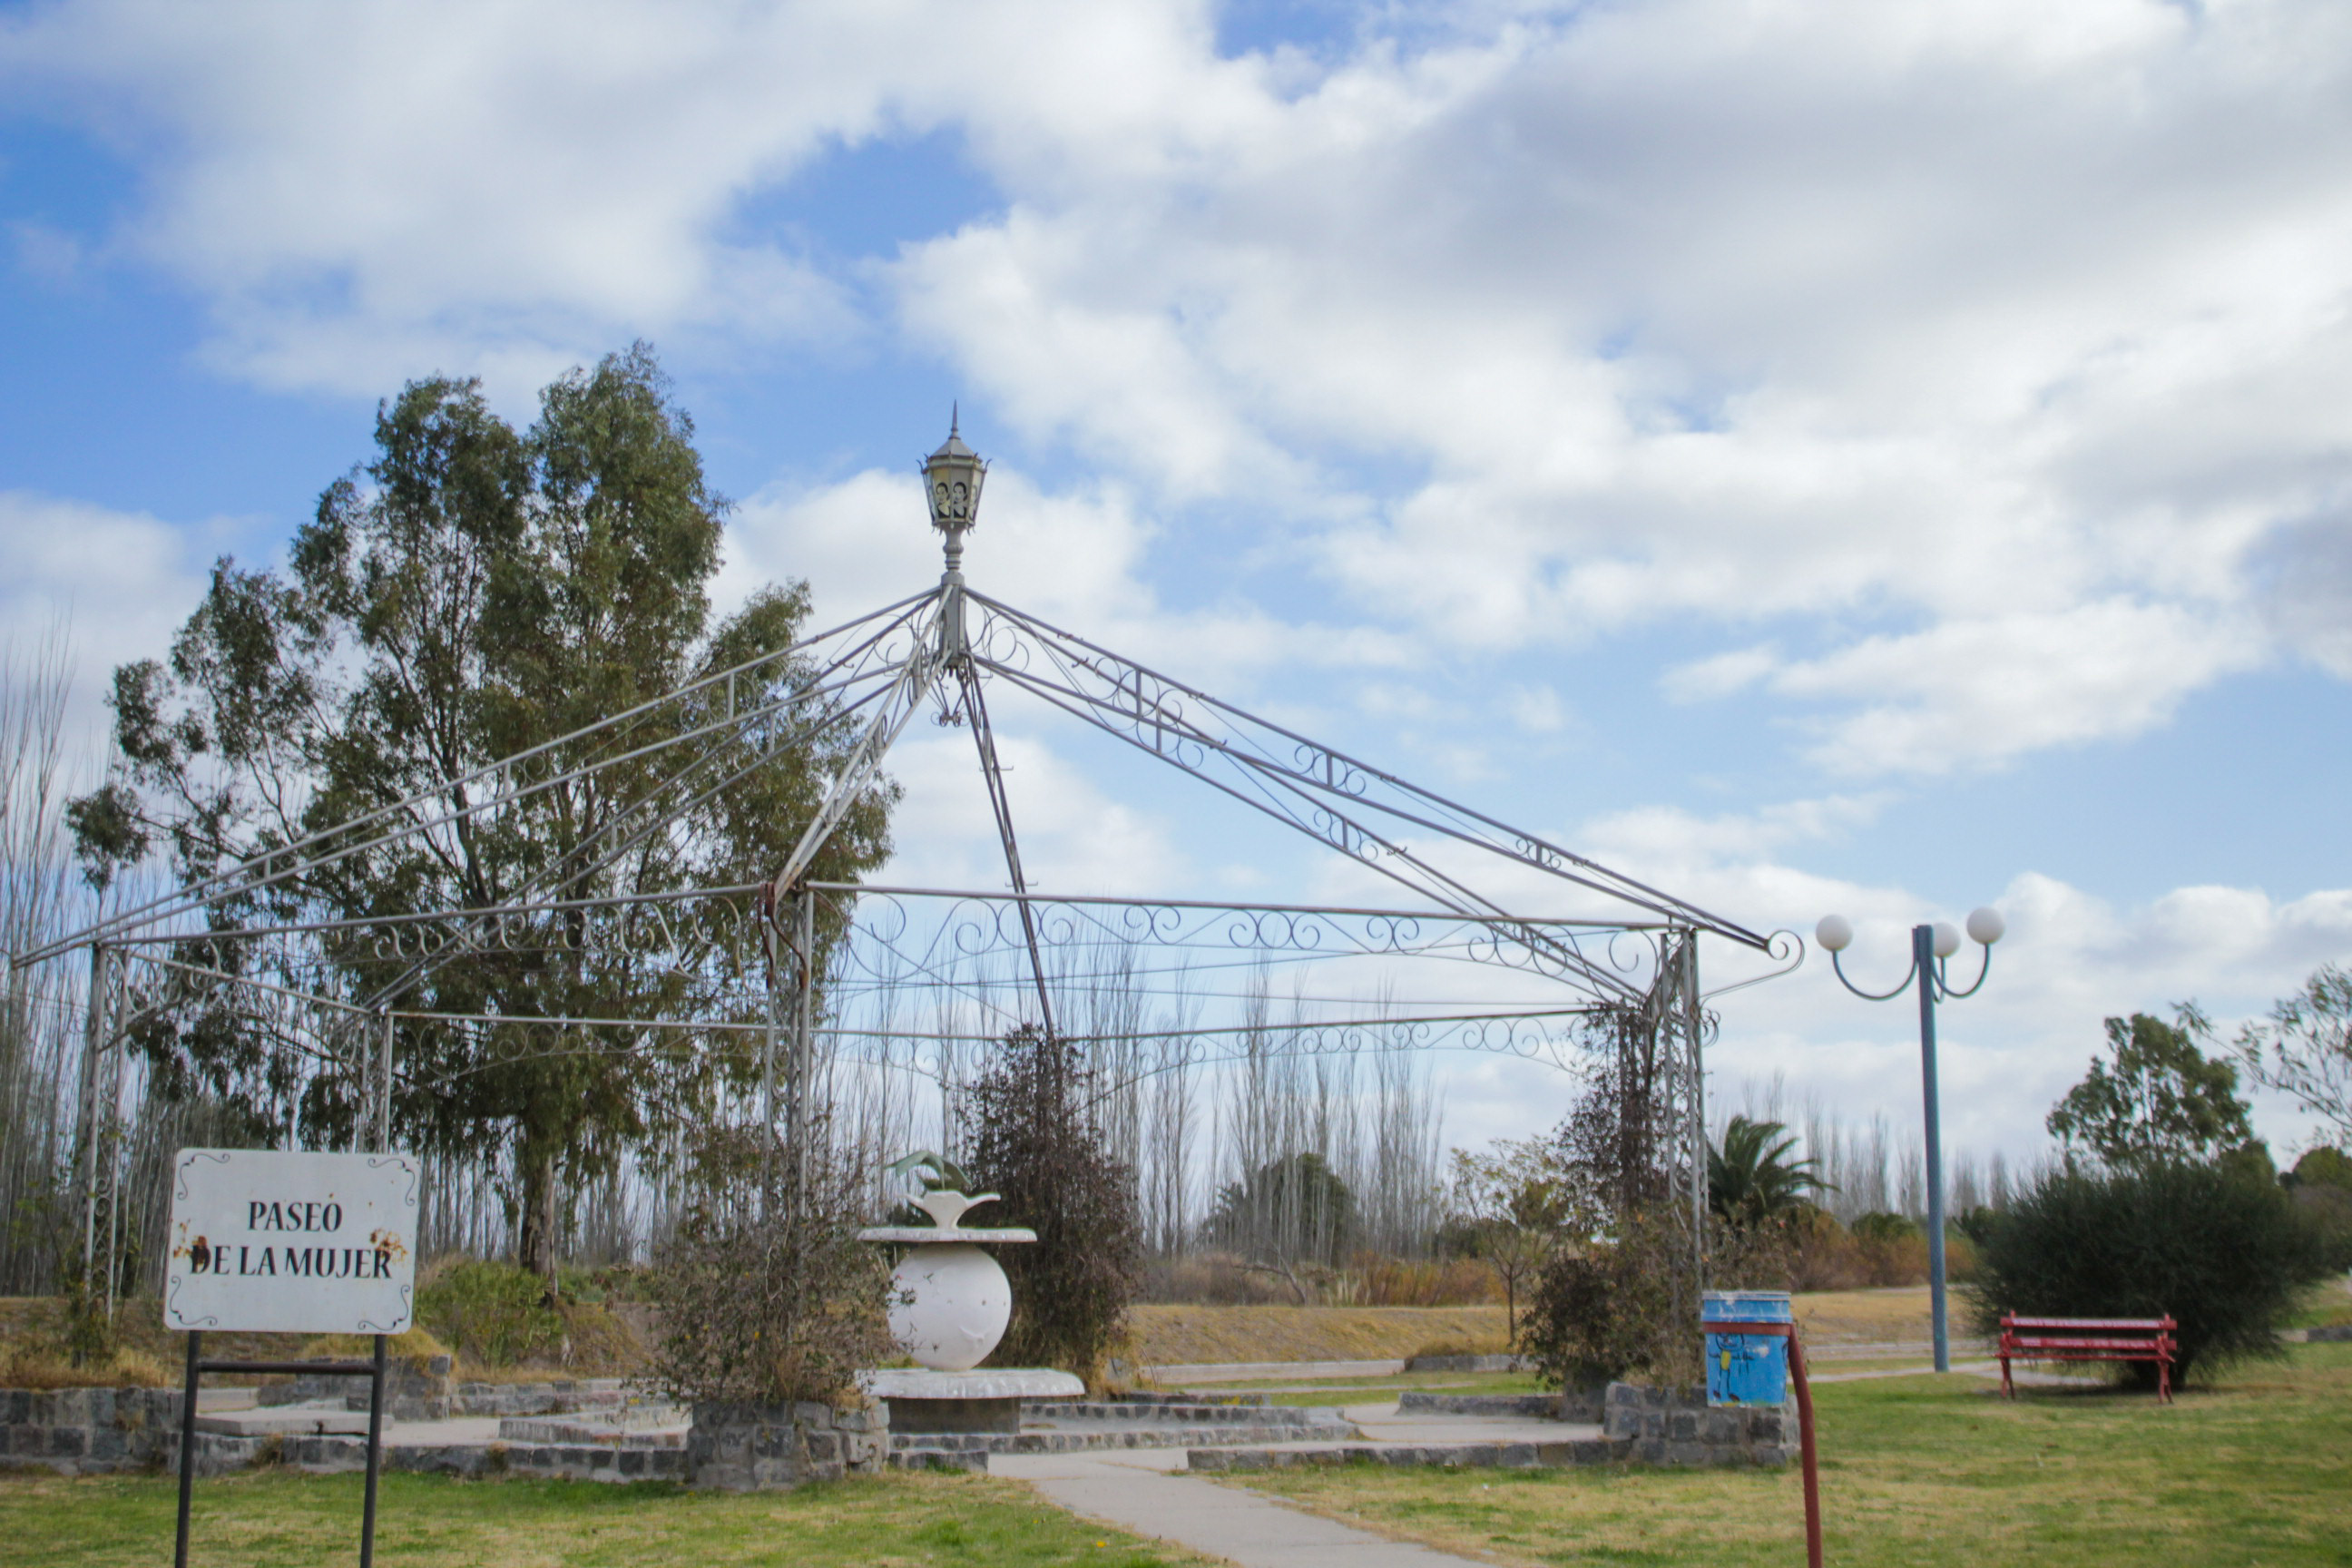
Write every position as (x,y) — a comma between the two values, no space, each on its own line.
(1750,1177)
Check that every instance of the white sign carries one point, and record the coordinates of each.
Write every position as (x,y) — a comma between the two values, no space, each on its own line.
(291,1243)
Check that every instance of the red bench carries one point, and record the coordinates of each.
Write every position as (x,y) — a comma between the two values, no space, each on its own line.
(2090,1339)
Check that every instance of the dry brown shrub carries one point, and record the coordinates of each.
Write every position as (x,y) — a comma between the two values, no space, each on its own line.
(766,1293)
(1882,1252)
(1209,1279)
(1410,1282)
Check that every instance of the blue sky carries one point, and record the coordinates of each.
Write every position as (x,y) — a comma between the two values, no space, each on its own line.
(1889,456)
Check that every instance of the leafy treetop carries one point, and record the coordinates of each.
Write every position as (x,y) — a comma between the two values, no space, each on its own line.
(2160,1100)
(475,594)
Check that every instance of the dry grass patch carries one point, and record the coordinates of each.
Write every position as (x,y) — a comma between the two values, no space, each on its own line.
(1164,1335)
(1901,1312)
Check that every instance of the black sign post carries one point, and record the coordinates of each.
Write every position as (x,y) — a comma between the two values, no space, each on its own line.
(372,1369)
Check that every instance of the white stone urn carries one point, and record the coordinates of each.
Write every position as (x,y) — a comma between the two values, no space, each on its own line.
(949,1301)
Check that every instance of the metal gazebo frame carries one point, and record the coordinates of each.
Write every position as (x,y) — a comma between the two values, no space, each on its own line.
(751,949)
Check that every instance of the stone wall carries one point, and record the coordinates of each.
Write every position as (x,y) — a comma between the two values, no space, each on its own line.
(428,1392)
(105,1431)
(1674,1426)
(765,1448)
(557,1461)
(85,1431)
(561,1397)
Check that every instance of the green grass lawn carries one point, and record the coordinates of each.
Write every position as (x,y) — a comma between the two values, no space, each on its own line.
(2254,1469)
(278,1518)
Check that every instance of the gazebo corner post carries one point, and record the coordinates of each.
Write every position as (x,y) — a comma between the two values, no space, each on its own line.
(767,1065)
(797,1087)
(383,1084)
(88,1124)
(1694,1022)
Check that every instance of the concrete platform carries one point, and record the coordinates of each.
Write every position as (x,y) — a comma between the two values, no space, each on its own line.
(316,1420)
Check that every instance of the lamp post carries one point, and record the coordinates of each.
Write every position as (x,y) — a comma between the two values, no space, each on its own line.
(1931,945)
(953,475)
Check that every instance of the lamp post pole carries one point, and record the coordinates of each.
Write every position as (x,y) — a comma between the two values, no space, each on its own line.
(1923,954)
(1931,945)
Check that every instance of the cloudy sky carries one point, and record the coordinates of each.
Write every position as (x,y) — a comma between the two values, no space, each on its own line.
(1879,454)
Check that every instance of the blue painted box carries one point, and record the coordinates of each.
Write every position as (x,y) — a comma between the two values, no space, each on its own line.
(1746,1369)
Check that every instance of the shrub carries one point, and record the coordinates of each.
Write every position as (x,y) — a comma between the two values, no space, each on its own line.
(2223,1255)
(1377,1280)
(493,1314)
(2329,1210)
(1823,1255)
(1032,1140)
(766,1294)
(1296,1208)
(1624,1308)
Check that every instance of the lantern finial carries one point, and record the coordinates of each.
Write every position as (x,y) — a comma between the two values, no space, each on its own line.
(952,476)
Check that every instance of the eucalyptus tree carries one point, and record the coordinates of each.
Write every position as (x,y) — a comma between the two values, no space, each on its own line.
(2160,1100)
(2304,1049)
(477,593)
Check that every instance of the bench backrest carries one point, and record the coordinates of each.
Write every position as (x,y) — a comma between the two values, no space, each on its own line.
(2143,1325)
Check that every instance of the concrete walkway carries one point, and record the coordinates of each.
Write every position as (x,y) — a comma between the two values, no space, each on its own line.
(1134,1489)
(1140,1490)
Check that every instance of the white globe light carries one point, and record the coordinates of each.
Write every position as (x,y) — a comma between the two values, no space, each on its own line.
(1946,939)
(1985,926)
(1835,933)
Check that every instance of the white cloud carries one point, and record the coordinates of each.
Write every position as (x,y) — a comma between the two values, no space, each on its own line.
(2026,322)
(1984,690)
(116,584)
(2019,326)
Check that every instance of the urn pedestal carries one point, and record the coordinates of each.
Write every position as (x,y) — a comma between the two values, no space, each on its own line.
(949,1304)
(987,1399)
